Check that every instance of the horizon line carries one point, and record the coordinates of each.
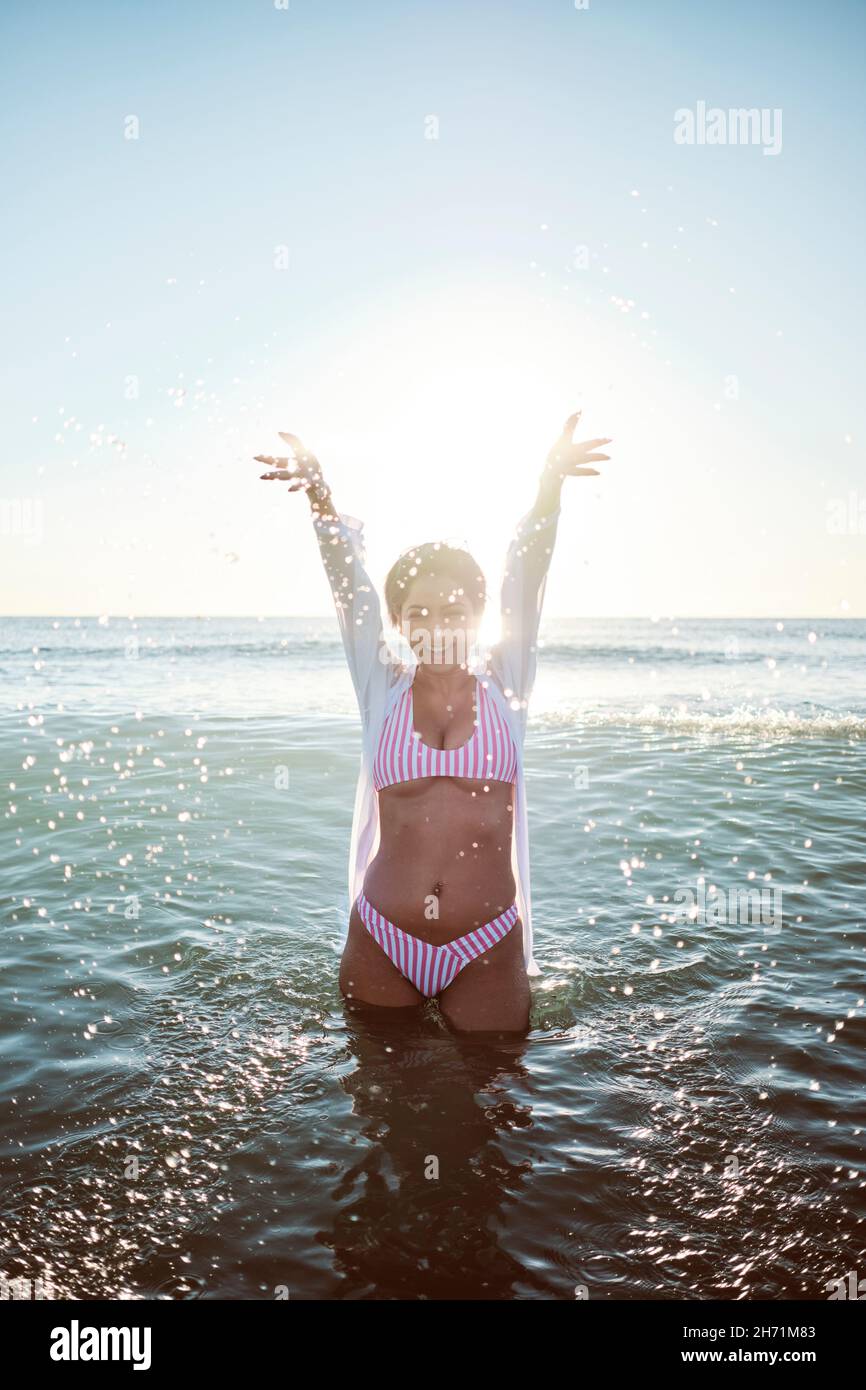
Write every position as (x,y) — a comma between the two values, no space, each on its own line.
(556,618)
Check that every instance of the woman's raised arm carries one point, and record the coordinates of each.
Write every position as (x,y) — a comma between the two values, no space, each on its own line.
(341,544)
(514,658)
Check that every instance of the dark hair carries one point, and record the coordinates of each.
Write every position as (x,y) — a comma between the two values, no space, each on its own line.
(432,560)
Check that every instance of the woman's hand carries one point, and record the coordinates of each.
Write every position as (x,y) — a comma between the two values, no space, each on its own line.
(302,470)
(567,459)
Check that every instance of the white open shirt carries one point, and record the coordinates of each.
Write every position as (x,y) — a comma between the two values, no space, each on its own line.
(379,679)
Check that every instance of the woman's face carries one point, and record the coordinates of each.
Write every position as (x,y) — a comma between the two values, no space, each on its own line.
(439,622)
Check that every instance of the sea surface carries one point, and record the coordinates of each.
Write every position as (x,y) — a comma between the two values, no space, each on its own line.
(186,1110)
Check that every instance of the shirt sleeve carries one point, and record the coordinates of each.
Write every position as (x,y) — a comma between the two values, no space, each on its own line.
(514,657)
(369,658)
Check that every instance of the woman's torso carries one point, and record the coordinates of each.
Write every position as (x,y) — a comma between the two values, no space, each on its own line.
(443,864)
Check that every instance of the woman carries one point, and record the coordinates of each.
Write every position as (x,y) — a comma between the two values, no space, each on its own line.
(439,857)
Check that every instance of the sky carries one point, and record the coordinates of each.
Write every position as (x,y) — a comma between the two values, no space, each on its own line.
(419,235)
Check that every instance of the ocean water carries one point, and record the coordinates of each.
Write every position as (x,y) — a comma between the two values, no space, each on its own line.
(187,1111)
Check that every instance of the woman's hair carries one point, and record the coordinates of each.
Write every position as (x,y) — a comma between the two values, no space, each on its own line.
(433,560)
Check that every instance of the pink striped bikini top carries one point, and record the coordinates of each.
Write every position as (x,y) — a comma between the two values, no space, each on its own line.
(489,755)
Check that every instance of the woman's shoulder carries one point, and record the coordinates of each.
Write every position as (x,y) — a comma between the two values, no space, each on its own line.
(505,698)
(486,671)
(402,673)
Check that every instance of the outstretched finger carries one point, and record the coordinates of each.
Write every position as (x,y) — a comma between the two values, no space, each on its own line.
(592,443)
(295,442)
(271,461)
(571,424)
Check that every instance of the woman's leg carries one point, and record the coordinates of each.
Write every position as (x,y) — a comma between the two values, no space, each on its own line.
(367,976)
(492,993)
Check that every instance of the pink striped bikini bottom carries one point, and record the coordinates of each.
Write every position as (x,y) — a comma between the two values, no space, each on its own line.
(432,968)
